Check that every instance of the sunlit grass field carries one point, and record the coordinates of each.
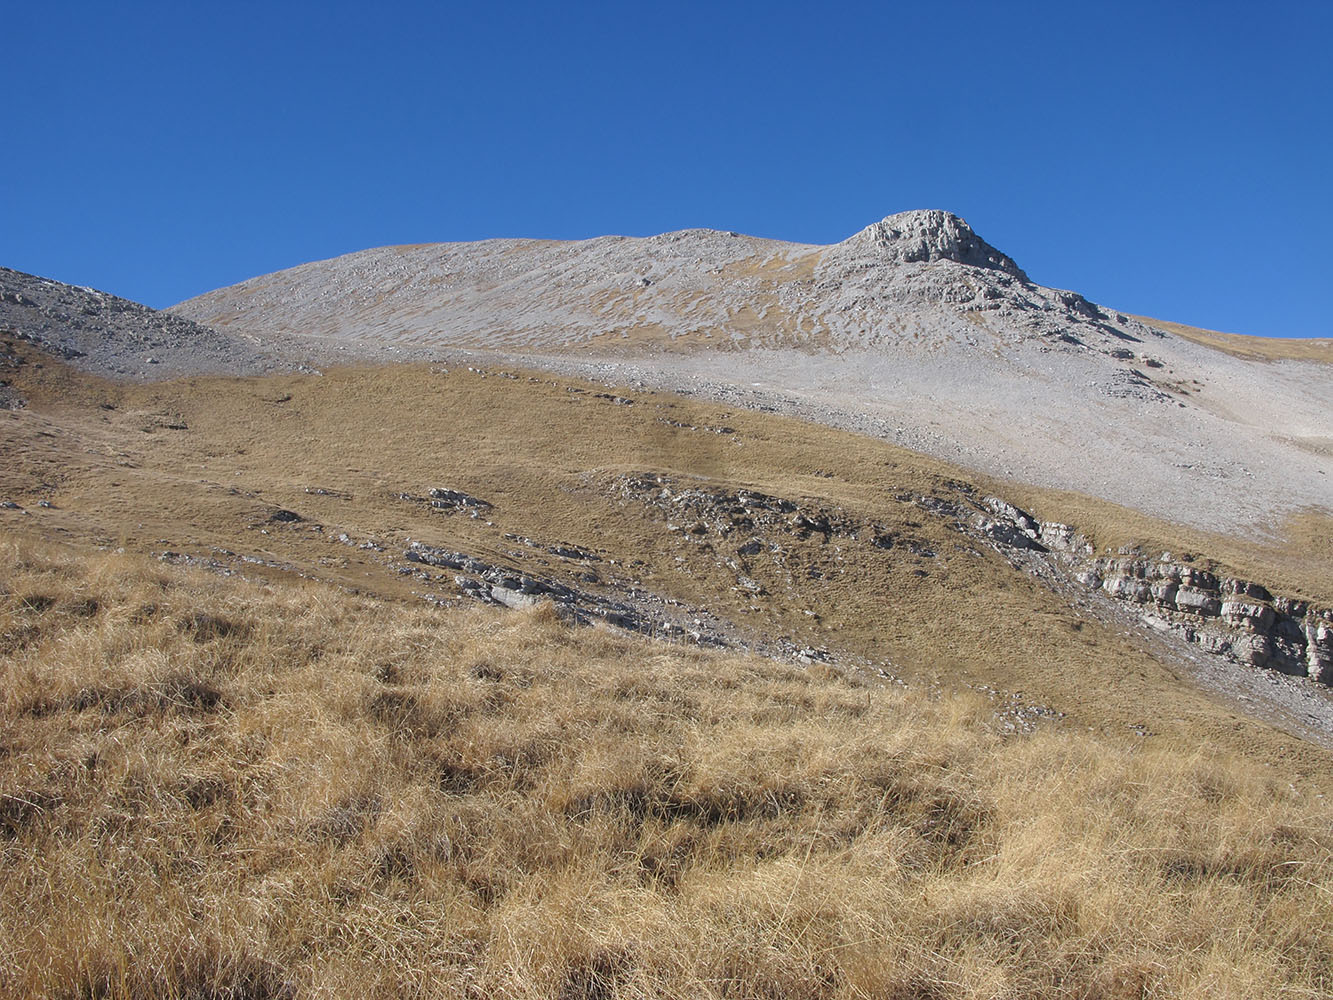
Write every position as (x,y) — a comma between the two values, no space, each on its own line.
(220,788)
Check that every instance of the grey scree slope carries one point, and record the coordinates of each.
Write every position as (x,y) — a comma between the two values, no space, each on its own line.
(111,336)
(914,329)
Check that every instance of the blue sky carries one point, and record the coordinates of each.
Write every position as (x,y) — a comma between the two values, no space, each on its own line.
(1166,159)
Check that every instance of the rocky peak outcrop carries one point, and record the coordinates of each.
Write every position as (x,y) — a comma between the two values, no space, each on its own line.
(928,278)
(929,235)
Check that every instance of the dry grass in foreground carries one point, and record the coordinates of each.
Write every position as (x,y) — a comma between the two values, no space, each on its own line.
(213,789)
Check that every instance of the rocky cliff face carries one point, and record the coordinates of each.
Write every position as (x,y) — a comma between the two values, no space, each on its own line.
(1224,615)
(1228,616)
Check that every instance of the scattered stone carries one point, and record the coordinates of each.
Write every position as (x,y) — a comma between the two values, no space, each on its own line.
(442,499)
(631,609)
(113,337)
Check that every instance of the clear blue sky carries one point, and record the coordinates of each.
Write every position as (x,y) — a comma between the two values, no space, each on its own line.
(1172,159)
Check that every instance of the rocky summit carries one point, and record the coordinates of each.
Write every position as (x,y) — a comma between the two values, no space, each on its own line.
(925,236)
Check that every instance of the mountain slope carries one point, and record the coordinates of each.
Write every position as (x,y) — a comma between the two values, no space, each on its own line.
(915,330)
(981,753)
(921,277)
(103,333)
(679,518)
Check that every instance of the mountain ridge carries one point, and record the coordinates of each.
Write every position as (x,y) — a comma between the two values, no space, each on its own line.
(914,329)
(679,286)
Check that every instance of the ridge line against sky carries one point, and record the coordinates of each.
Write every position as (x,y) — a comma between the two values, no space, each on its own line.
(1168,160)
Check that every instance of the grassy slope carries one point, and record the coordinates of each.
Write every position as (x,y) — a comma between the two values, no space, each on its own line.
(1250,347)
(547,456)
(232,789)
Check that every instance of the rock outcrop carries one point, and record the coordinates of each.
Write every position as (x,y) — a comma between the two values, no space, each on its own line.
(632,610)
(449,501)
(922,237)
(1225,615)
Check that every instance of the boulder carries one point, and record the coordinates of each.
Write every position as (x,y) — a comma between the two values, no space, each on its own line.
(1249,615)
(1197,601)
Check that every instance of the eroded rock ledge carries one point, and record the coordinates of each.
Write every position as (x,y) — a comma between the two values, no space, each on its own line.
(1227,616)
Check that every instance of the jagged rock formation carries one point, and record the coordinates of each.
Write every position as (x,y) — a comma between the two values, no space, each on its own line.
(112,336)
(924,237)
(927,277)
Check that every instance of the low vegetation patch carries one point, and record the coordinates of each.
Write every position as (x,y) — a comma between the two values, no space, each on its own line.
(213,788)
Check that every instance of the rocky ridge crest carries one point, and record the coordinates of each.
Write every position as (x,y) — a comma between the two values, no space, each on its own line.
(924,236)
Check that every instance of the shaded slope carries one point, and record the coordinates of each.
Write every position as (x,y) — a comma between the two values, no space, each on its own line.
(103,333)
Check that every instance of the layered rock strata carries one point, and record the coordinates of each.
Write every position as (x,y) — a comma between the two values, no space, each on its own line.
(1228,616)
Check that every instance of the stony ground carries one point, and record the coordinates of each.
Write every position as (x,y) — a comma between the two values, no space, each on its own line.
(121,339)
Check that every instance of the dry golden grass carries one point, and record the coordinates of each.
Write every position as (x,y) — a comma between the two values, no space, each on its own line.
(213,788)
(1251,348)
(199,465)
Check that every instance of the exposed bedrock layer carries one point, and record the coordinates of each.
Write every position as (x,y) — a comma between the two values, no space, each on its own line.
(774,543)
(1228,616)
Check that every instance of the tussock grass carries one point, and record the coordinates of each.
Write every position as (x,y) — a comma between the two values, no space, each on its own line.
(212,788)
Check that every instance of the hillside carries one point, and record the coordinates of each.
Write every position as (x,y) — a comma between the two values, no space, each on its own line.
(112,336)
(685,519)
(272,790)
(914,330)
(926,273)
(655,664)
